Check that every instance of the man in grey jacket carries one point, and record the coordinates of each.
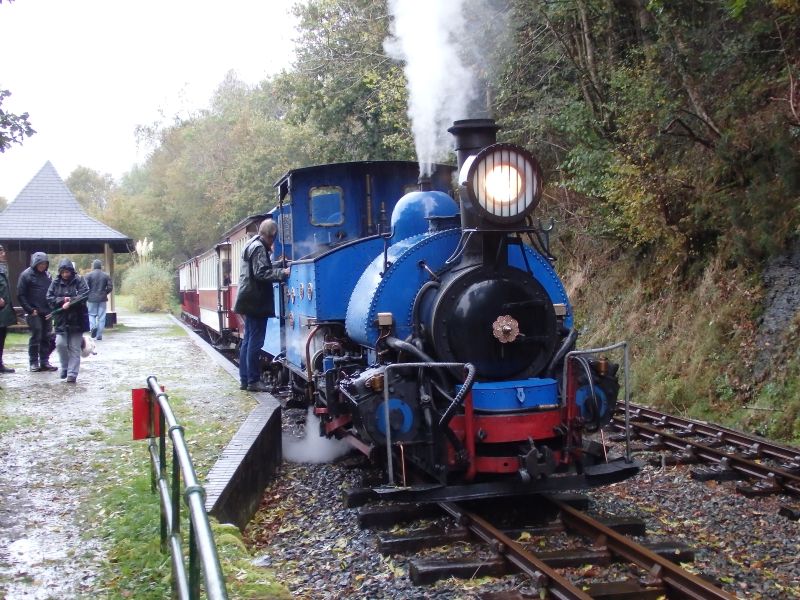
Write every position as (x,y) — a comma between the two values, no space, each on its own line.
(100,286)
(254,301)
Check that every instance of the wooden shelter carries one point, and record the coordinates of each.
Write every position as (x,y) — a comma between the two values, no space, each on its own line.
(46,217)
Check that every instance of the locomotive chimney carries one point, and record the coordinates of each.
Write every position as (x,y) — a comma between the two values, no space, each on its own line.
(424,183)
(472,135)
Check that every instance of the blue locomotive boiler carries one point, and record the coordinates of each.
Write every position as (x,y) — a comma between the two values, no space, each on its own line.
(438,337)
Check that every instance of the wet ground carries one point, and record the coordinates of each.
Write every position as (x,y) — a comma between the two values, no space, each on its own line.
(50,431)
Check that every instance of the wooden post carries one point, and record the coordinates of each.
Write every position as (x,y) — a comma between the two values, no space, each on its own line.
(108,254)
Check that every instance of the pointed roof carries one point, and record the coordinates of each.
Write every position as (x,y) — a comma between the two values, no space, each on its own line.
(45,210)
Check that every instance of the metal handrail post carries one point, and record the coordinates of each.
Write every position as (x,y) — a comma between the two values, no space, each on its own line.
(194,496)
(162,466)
(176,494)
(175,530)
(194,564)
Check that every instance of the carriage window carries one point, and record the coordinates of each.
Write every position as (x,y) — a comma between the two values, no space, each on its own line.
(226,272)
(327,206)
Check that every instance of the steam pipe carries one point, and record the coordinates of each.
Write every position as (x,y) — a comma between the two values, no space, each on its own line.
(568,342)
(465,388)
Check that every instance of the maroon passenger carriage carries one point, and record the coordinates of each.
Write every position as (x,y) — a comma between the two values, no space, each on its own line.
(208,284)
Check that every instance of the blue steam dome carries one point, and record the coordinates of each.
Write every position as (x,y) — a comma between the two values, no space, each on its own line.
(411,213)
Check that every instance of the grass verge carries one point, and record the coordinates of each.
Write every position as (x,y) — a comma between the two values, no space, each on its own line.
(125,514)
(692,342)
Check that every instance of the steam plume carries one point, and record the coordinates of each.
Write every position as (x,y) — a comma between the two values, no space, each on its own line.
(440,42)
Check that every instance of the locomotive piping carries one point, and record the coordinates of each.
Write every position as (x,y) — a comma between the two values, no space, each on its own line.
(448,414)
(392,367)
(401,346)
(569,341)
(440,385)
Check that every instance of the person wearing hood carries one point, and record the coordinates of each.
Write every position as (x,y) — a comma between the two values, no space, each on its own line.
(67,296)
(100,286)
(7,314)
(32,287)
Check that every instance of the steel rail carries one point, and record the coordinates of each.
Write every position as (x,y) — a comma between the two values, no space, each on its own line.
(755,444)
(543,575)
(686,584)
(788,481)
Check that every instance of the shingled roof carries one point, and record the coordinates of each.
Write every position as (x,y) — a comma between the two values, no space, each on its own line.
(45,213)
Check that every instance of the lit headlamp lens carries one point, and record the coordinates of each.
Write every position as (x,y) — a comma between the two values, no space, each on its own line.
(504,182)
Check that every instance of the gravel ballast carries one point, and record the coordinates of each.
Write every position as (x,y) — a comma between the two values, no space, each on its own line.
(303,532)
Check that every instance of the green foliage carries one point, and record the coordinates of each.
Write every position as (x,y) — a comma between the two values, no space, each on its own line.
(13,128)
(344,85)
(91,189)
(687,143)
(151,285)
(692,348)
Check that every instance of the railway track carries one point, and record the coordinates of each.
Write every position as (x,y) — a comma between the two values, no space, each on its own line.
(764,466)
(657,573)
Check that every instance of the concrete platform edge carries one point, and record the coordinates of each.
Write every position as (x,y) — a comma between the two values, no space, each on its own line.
(235,485)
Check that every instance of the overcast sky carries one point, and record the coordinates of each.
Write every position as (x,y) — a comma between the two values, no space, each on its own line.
(90,71)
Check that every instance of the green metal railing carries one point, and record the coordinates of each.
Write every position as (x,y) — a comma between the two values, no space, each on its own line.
(202,549)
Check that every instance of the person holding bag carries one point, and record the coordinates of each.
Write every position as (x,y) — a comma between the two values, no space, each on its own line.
(67,296)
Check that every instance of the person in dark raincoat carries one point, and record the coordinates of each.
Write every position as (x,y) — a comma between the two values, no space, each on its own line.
(7,314)
(32,295)
(67,296)
(100,286)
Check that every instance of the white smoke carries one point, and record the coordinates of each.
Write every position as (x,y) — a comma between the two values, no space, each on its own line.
(313,448)
(440,85)
(433,38)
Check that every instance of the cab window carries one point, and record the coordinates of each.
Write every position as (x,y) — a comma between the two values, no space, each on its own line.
(327,206)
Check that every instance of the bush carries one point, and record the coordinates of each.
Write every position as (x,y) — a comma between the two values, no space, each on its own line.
(150,284)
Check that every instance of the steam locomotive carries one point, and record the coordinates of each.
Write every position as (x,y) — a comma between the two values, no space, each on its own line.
(429,332)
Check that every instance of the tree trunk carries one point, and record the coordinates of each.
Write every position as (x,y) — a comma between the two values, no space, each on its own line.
(695,96)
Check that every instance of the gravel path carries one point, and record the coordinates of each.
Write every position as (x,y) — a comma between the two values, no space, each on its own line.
(53,431)
(303,532)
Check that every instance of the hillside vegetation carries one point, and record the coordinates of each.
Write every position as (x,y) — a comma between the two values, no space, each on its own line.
(669,133)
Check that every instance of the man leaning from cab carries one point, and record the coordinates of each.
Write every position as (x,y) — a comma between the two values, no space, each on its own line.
(255,302)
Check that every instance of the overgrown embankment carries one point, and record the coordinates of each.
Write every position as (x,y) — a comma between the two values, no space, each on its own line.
(721,343)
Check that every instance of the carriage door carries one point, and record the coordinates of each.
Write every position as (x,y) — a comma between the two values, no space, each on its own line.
(224,286)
